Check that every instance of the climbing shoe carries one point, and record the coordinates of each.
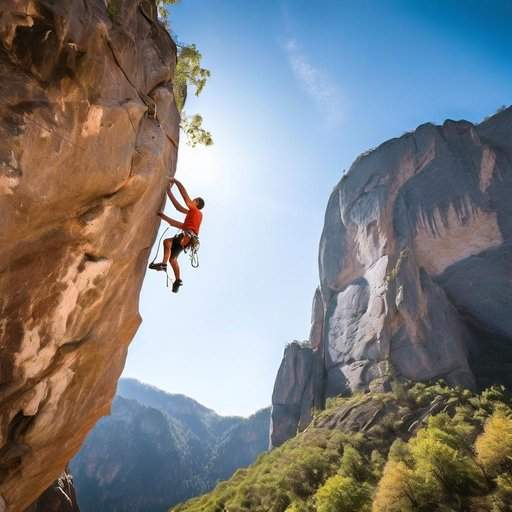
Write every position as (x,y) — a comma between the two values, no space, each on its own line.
(176,285)
(158,266)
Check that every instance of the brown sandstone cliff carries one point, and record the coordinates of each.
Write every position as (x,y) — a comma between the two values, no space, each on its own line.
(88,138)
(415,270)
(59,497)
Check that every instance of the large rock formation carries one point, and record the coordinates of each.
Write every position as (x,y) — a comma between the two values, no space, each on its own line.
(59,497)
(416,263)
(295,391)
(88,138)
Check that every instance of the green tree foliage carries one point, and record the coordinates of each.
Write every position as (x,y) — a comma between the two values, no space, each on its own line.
(434,467)
(409,460)
(494,446)
(354,465)
(395,492)
(162,8)
(399,451)
(193,128)
(188,73)
(501,500)
(377,463)
(301,506)
(446,470)
(343,494)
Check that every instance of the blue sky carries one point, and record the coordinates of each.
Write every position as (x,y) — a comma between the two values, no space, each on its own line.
(298,90)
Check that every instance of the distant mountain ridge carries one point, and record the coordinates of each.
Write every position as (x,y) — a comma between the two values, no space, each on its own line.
(203,422)
(157,449)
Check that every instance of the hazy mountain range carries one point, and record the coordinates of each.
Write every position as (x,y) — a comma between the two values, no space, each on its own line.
(157,449)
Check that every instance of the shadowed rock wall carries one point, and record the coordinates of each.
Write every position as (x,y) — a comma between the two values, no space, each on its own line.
(88,138)
(416,263)
(59,497)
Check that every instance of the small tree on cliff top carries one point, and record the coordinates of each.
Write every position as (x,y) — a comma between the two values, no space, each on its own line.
(189,72)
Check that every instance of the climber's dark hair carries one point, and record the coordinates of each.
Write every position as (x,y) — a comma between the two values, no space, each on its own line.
(199,202)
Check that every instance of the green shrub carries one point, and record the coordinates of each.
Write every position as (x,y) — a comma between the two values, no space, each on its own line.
(354,465)
(377,464)
(342,494)
(395,492)
(501,500)
(494,446)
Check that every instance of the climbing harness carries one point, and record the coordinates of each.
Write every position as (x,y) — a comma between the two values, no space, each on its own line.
(192,249)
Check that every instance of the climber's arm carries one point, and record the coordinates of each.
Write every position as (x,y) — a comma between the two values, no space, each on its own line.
(184,194)
(175,202)
(170,221)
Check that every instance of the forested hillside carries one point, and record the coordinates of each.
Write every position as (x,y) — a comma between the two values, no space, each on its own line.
(418,448)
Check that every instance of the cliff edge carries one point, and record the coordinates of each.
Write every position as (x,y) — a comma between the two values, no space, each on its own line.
(415,269)
(88,139)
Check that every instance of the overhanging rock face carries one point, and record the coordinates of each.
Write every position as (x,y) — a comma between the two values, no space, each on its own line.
(88,139)
(59,497)
(416,261)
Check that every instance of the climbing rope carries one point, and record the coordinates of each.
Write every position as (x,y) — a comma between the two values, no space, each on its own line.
(168,278)
(194,256)
(158,246)
(192,249)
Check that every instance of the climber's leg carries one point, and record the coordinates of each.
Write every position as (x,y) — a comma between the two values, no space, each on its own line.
(175,268)
(167,253)
(176,250)
(167,250)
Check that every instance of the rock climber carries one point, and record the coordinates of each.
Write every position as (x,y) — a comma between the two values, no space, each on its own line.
(188,236)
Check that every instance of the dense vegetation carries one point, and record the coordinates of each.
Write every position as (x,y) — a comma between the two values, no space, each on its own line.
(419,448)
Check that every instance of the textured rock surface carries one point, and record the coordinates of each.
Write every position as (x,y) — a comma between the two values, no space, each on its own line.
(59,497)
(294,395)
(88,137)
(416,262)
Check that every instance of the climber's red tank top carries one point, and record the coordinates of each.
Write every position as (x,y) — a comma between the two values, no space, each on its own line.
(193,220)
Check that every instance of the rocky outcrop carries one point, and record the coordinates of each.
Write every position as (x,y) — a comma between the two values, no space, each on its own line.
(295,392)
(59,497)
(299,384)
(88,138)
(416,262)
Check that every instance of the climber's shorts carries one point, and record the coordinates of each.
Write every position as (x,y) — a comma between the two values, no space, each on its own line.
(176,247)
